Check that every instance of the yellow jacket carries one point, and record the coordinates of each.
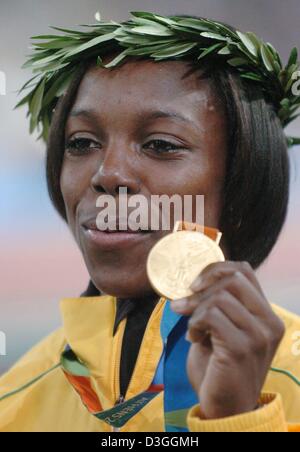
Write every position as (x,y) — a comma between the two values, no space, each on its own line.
(36,396)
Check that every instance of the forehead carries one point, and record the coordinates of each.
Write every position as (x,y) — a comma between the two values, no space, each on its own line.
(146,82)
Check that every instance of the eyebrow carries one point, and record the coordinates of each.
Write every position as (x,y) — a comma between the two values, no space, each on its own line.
(146,115)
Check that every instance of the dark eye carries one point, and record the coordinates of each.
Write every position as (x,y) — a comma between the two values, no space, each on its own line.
(80,146)
(162,146)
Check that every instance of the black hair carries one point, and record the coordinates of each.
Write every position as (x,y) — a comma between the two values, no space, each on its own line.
(256,189)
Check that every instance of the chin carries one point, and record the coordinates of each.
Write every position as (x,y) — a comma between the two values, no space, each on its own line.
(120,289)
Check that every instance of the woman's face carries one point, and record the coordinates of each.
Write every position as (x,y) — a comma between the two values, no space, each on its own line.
(154,128)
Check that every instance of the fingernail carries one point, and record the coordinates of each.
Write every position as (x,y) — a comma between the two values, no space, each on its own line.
(179,305)
(197,284)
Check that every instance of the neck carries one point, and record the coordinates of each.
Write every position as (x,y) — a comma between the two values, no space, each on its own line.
(150,298)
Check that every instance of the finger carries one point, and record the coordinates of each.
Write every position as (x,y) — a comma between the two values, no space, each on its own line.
(239,286)
(233,309)
(219,270)
(262,338)
(220,328)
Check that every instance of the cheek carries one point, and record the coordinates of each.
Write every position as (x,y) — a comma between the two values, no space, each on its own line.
(193,175)
(207,178)
(198,174)
(72,183)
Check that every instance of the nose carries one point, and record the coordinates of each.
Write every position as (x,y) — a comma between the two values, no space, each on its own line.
(116,170)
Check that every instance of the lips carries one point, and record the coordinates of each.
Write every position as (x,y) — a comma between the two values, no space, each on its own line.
(113,239)
(114,225)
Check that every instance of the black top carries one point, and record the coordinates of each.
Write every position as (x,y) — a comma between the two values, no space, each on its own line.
(138,313)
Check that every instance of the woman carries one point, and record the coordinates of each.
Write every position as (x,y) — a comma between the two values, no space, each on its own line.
(122,360)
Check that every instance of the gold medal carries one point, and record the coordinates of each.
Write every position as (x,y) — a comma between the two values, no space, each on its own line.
(178,258)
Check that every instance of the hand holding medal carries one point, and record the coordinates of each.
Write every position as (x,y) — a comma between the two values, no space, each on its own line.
(232,327)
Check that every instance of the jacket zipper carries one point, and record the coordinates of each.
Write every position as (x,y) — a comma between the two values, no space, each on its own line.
(121,398)
(142,343)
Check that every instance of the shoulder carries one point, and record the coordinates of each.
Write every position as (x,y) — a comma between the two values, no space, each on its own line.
(41,358)
(284,375)
(289,349)
(291,320)
(35,395)
(286,364)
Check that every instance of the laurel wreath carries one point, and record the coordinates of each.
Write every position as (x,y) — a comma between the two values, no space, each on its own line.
(55,58)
